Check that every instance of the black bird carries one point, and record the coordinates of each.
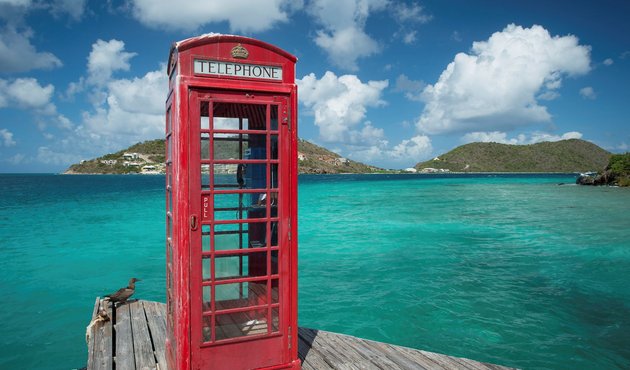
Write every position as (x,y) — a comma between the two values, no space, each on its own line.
(123,294)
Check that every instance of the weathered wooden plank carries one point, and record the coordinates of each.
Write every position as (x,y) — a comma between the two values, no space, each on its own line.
(379,358)
(400,359)
(449,362)
(156,319)
(311,358)
(91,335)
(336,357)
(348,346)
(124,339)
(142,345)
(309,336)
(101,351)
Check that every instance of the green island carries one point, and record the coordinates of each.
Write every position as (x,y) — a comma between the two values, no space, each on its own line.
(148,158)
(572,155)
(563,156)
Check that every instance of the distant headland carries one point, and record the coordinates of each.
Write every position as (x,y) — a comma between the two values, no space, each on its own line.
(565,156)
(148,158)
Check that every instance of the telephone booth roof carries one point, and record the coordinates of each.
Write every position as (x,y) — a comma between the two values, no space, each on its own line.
(221,45)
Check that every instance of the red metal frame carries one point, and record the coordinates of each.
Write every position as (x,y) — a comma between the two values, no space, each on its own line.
(190,211)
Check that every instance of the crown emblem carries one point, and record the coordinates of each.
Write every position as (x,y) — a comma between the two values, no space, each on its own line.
(239,52)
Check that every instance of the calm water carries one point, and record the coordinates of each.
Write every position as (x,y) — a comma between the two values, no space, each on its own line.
(513,270)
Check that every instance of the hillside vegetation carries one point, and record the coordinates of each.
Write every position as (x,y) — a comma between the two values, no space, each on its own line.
(561,156)
(148,157)
(315,159)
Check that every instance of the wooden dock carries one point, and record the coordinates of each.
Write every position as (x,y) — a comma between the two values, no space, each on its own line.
(134,339)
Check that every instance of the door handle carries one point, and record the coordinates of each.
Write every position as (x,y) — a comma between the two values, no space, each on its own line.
(193,222)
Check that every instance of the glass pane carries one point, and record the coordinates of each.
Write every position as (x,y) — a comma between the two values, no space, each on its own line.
(274,234)
(225,123)
(205,177)
(274,117)
(241,324)
(274,291)
(241,176)
(228,175)
(205,238)
(168,120)
(239,206)
(241,266)
(275,319)
(274,176)
(274,146)
(204,121)
(237,116)
(206,331)
(257,147)
(205,298)
(169,146)
(232,146)
(205,146)
(205,268)
(256,176)
(231,236)
(238,295)
(274,262)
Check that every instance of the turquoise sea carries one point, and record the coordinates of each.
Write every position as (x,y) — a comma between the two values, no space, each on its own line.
(514,270)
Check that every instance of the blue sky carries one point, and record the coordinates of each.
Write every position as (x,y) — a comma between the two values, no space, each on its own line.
(389,83)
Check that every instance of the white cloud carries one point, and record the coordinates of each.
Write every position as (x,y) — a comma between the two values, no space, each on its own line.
(27,93)
(105,58)
(404,12)
(538,137)
(189,15)
(141,95)
(133,109)
(410,37)
(49,156)
(368,135)
(417,148)
(339,103)
(491,137)
(344,37)
(411,88)
(608,62)
(17,54)
(6,138)
(502,138)
(125,110)
(23,3)
(407,15)
(496,85)
(588,93)
(74,8)
(406,153)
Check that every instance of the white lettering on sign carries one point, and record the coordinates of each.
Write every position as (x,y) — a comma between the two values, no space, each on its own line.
(214,67)
(206,205)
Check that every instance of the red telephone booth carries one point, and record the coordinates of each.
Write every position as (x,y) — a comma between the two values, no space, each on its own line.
(231,198)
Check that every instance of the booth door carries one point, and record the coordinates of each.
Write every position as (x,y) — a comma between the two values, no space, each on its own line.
(239,177)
